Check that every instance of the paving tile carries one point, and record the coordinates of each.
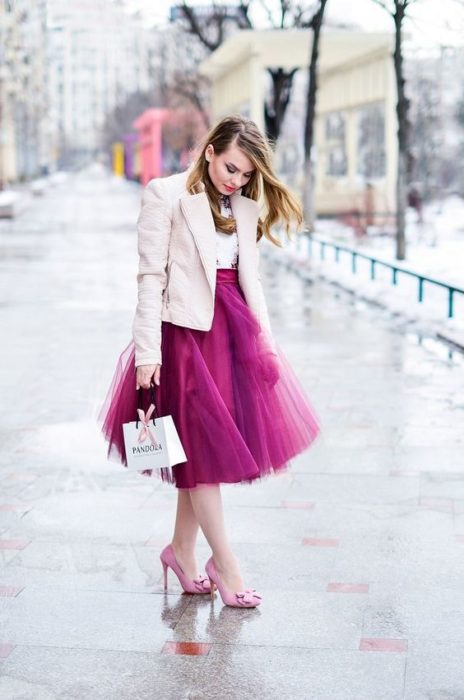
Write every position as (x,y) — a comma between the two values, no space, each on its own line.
(375,549)
(442,485)
(404,472)
(9,591)
(21,507)
(46,673)
(325,674)
(76,515)
(188,648)
(298,505)
(303,619)
(91,565)
(399,645)
(434,671)
(405,521)
(430,459)
(335,587)
(278,567)
(5,650)
(21,477)
(346,489)
(276,526)
(444,504)
(157,542)
(14,544)
(99,620)
(417,616)
(320,542)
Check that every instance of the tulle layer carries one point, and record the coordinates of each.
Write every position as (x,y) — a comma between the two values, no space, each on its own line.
(237,404)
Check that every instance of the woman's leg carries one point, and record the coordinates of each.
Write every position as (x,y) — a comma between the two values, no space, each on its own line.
(207,506)
(185,534)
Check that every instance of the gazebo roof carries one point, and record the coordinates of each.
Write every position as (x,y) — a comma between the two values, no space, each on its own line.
(290,48)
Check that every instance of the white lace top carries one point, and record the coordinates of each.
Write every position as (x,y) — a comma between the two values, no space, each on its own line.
(227,243)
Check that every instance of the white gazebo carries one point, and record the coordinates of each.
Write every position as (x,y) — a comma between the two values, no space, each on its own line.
(355,130)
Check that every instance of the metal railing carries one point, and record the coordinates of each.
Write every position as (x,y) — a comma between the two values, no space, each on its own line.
(376,262)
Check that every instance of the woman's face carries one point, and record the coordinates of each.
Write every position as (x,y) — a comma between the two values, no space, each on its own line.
(229,170)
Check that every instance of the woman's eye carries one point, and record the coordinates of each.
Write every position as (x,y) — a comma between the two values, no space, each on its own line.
(230,170)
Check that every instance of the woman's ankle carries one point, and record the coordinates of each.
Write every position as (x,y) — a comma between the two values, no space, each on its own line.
(185,548)
(226,562)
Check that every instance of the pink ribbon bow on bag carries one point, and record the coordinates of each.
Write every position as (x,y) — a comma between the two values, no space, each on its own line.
(145,430)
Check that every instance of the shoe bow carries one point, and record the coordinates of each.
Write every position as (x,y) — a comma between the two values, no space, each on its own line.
(247,595)
(202,583)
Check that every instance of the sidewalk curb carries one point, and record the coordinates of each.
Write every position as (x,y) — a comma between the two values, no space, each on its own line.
(453,337)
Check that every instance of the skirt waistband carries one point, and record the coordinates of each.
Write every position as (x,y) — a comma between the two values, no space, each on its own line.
(226,275)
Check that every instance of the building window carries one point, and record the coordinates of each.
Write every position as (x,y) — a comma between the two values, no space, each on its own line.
(371,141)
(335,137)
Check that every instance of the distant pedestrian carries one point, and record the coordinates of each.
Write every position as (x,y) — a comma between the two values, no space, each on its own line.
(415,201)
(202,317)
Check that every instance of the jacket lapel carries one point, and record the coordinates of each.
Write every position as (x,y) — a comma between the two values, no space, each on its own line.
(246,214)
(197,213)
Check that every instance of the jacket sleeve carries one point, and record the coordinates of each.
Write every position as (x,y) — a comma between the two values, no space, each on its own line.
(153,235)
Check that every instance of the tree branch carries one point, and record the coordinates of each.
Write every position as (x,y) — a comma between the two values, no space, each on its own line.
(268,12)
(196,29)
(384,6)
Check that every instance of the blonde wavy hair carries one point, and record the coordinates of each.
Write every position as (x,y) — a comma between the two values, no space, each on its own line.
(281,207)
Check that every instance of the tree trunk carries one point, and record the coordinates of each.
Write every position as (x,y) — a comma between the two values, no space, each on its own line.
(274,113)
(402,109)
(309,213)
(401,204)
(308,166)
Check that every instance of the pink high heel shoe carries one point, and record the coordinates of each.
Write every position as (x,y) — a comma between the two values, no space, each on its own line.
(248,598)
(196,585)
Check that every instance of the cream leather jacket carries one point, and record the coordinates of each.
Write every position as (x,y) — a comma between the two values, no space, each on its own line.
(177,262)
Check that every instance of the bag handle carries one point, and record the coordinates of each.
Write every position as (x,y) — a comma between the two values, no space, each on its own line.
(153,401)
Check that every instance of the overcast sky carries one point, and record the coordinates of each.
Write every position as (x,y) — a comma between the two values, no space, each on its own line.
(432,22)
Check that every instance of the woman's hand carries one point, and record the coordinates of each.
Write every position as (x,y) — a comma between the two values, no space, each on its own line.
(145,374)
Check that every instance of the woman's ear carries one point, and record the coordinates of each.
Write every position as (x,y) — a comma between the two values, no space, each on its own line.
(209,152)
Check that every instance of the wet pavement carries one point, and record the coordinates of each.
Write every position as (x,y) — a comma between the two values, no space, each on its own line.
(358,549)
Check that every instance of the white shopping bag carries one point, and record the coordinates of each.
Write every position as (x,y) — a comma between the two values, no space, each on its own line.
(152,443)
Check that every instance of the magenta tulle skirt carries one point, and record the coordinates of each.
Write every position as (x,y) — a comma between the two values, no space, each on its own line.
(238,407)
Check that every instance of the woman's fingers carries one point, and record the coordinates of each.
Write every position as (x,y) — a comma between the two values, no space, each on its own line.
(145,373)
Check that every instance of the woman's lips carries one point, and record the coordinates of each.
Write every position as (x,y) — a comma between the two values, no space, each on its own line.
(229,189)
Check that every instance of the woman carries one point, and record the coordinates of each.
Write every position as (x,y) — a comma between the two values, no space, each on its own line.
(202,334)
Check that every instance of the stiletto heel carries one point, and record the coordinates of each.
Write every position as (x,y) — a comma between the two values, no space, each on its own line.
(196,585)
(213,587)
(165,572)
(248,598)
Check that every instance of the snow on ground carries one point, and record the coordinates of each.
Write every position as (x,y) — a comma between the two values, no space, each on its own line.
(434,248)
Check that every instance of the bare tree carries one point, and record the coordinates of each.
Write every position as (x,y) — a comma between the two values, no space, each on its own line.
(308,168)
(188,87)
(213,28)
(397,9)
